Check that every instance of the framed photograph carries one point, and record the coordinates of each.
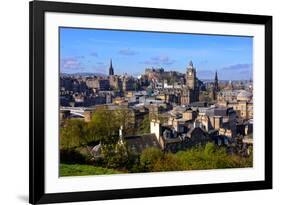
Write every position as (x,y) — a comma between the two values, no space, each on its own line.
(130,102)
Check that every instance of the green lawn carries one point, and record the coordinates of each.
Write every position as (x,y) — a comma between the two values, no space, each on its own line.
(83,170)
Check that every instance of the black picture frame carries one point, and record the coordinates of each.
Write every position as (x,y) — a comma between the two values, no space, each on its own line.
(37,10)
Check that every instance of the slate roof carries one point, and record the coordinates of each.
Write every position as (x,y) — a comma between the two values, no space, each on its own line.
(199,104)
(219,111)
(137,143)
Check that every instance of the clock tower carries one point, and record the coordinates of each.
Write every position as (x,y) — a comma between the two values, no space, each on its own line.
(191,76)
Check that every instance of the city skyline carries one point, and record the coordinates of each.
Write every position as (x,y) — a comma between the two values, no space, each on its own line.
(90,50)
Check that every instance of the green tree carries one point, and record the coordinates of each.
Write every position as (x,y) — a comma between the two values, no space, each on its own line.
(170,162)
(211,156)
(115,155)
(125,117)
(73,134)
(144,126)
(149,157)
(104,126)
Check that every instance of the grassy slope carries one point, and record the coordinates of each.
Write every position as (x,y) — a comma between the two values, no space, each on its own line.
(83,170)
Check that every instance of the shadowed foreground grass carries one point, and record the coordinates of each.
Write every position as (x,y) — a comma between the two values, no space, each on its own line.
(84,170)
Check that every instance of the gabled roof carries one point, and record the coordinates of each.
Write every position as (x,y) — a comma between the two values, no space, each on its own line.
(137,143)
(192,130)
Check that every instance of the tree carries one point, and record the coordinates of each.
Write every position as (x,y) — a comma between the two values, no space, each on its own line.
(104,126)
(73,134)
(149,157)
(121,155)
(211,156)
(170,162)
(114,155)
(144,126)
(125,117)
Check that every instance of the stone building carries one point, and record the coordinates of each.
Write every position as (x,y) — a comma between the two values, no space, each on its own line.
(170,95)
(220,117)
(240,100)
(189,114)
(115,82)
(88,115)
(188,96)
(98,83)
(128,83)
(178,134)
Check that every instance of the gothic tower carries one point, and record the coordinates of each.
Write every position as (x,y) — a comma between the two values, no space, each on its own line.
(111,71)
(215,89)
(216,83)
(191,76)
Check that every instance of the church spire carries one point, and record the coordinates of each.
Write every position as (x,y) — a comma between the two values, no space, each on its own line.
(216,77)
(111,71)
(216,84)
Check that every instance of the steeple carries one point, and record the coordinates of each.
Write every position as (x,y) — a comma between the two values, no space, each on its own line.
(216,77)
(216,83)
(111,71)
(190,64)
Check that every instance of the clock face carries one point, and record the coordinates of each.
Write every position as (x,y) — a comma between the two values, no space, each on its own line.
(189,73)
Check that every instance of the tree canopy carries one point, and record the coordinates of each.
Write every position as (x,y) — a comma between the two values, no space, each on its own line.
(209,156)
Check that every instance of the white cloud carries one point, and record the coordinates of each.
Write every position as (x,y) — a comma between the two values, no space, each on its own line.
(160,60)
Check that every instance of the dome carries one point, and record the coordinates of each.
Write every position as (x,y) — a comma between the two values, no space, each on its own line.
(244,95)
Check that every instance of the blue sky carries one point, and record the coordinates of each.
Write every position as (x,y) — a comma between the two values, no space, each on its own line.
(90,50)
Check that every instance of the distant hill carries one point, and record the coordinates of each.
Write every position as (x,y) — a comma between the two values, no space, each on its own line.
(85,74)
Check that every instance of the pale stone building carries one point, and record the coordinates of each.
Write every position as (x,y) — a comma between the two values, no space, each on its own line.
(241,101)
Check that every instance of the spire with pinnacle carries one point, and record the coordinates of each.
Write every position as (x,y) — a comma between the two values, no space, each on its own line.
(190,64)
(111,71)
(216,77)
(216,84)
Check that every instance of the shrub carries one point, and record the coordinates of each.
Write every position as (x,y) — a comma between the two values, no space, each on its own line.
(149,157)
(170,162)
(71,156)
